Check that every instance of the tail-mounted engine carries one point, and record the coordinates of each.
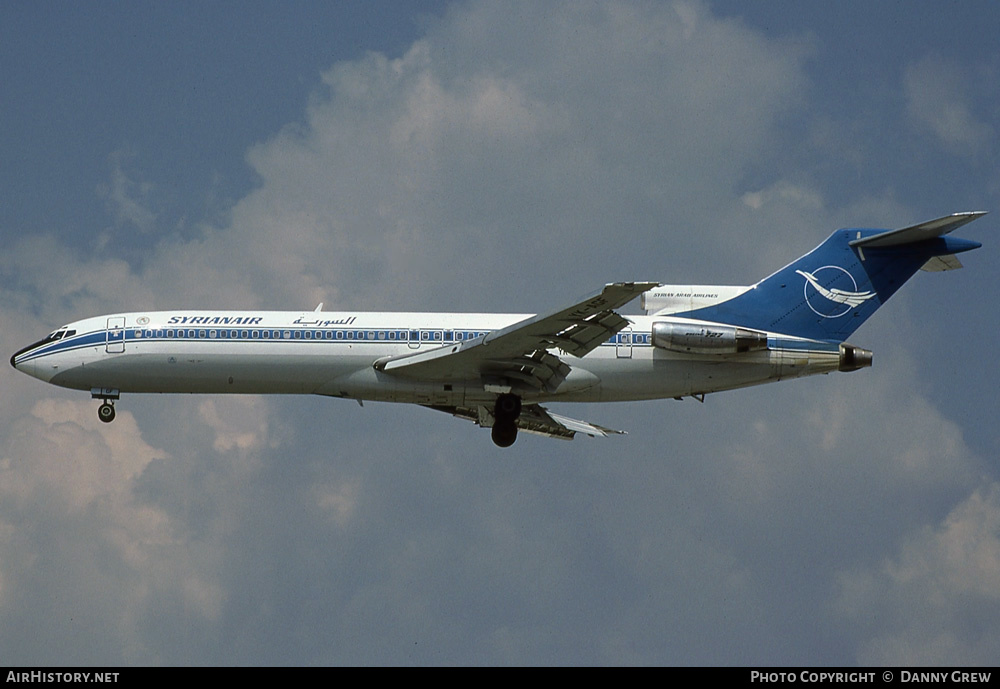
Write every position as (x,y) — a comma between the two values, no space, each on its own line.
(707,338)
(853,358)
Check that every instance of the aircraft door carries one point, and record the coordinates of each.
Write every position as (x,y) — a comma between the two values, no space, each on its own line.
(115,342)
(624,348)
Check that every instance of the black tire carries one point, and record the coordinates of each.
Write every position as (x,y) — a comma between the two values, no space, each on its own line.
(504,434)
(507,408)
(106,412)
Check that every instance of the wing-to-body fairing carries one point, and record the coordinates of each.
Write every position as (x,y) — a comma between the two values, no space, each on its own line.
(497,370)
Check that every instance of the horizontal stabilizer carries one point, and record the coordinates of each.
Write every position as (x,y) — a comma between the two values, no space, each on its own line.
(918,233)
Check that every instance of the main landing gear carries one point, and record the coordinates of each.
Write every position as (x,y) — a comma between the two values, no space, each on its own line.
(505,413)
(105,412)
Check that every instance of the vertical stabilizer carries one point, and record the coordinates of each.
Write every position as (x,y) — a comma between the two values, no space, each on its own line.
(828,293)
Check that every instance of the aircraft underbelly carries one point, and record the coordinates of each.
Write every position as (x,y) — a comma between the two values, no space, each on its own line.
(198,372)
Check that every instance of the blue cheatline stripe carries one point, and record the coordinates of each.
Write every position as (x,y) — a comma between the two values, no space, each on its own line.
(99,338)
(96,338)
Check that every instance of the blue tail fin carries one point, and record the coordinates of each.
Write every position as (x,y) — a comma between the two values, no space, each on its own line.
(828,293)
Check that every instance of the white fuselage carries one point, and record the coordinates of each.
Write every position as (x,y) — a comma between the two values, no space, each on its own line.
(334,354)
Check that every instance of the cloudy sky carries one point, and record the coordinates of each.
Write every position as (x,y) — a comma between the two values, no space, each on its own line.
(496,157)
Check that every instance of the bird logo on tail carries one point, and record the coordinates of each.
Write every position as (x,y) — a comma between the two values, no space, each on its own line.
(849,299)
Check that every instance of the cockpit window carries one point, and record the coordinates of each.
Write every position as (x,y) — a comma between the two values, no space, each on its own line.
(52,337)
(56,335)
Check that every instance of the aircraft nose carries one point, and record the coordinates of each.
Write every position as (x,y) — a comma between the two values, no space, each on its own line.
(19,363)
(24,366)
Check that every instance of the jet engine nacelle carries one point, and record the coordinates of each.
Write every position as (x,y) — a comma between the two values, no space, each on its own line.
(854,358)
(707,338)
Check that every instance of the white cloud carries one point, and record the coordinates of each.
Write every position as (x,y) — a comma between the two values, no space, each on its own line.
(239,423)
(80,546)
(128,200)
(937,597)
(937,101)
(588,124)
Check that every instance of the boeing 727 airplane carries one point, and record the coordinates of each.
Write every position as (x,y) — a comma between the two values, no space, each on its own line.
(497,369)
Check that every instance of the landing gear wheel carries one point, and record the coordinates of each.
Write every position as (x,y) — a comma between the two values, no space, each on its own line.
(507,408)
(505,413)
(106,412)
(504,434)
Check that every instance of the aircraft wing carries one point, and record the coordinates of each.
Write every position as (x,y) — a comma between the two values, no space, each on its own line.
(519,353)
(535,419)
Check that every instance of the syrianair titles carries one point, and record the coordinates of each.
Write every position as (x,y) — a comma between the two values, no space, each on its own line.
(498,369)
